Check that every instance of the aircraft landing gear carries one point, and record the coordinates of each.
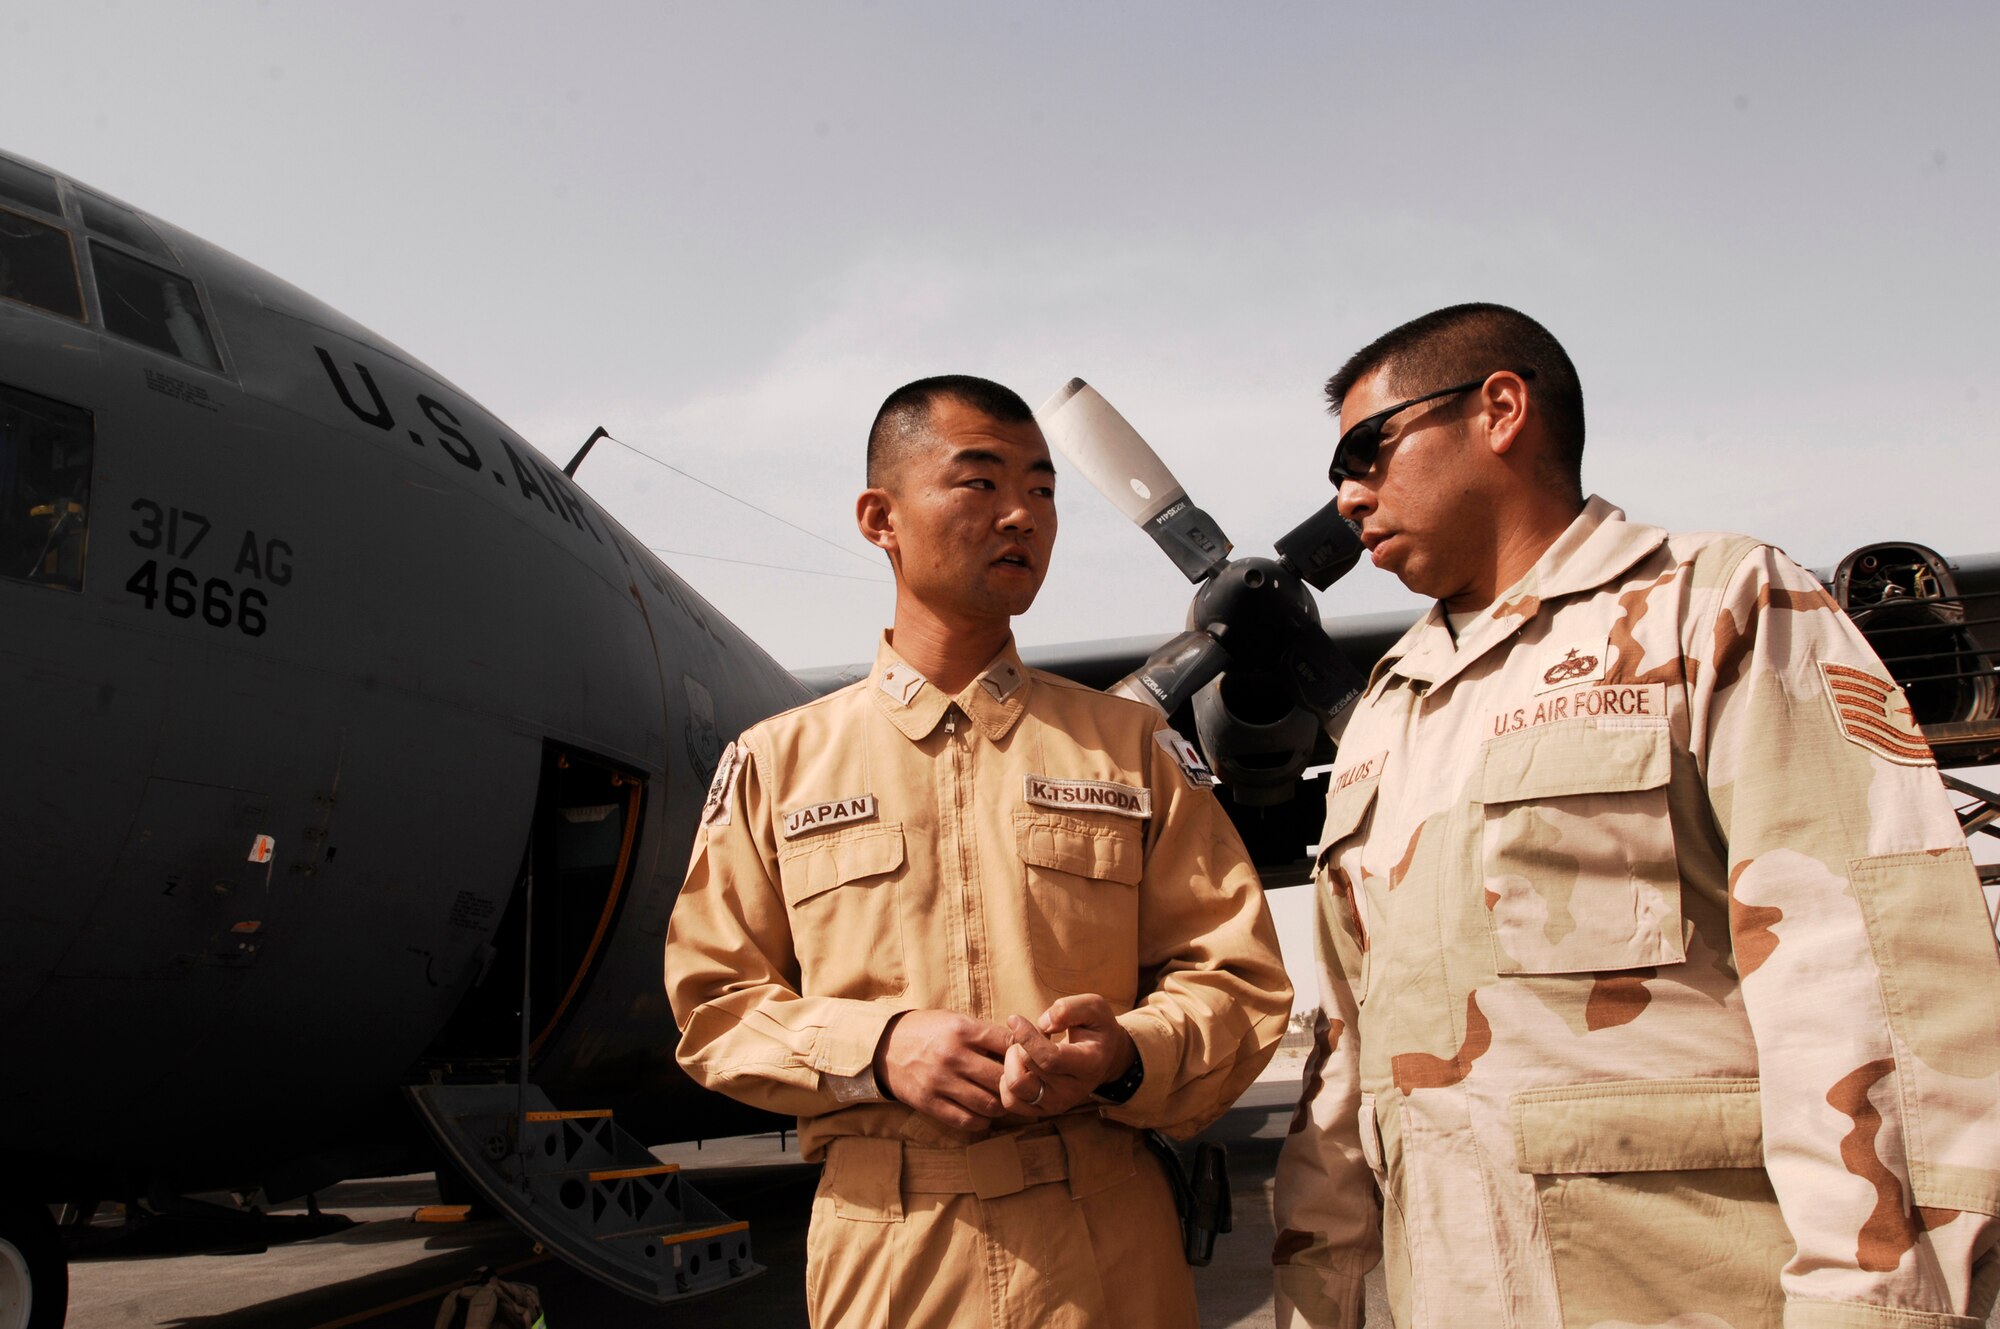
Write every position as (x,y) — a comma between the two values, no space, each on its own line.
(34,1272)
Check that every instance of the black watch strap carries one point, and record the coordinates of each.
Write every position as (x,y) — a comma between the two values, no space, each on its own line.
(1121,1089)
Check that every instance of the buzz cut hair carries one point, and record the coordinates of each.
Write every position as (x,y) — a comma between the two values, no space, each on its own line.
(1463,342)
(903,424)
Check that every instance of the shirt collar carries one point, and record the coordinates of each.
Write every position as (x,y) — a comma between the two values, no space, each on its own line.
(995,700)
(1599,545)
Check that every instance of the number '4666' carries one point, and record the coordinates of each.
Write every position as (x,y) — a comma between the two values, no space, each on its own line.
(184,595)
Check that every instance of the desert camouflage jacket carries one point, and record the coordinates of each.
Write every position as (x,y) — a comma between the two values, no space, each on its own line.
(1653,964)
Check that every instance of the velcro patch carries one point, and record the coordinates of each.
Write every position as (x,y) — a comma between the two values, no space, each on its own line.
(833,812)
(1188,757)
(1873,713)
(715,808)
(1090,795)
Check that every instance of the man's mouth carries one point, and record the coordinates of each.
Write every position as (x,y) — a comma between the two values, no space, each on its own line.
(1014,559)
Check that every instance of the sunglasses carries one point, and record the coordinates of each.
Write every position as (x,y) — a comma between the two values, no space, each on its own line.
(1354,456)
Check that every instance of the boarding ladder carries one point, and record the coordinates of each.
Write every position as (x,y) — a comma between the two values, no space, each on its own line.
(586,1190)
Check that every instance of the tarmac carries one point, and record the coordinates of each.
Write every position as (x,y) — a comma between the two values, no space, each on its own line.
(387,1271)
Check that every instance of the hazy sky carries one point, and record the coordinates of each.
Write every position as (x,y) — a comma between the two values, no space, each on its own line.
(724,232)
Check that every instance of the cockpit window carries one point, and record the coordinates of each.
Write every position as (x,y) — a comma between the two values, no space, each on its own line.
(37,265)
(44,489)
(152,306)
(30,187)
(121,224)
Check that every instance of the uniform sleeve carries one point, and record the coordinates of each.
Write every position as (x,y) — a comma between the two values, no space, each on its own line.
(1325,1206)
(1869,973)
(1216,997)
(733,978)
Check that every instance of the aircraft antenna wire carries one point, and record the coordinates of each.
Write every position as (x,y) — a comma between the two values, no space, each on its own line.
(774,567)
(748,504)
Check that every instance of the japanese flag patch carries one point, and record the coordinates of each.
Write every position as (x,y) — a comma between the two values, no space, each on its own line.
(715,808)
(1188,757)
(1873,713)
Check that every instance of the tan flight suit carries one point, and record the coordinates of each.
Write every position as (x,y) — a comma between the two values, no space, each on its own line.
(889,848)
(1653,964)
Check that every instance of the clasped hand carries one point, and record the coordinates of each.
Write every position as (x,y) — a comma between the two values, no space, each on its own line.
(966,1072)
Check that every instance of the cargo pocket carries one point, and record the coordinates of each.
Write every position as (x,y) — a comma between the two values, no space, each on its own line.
(1577,848)
(1083,903)
(1338,875)
(841,889)
(1674,1168)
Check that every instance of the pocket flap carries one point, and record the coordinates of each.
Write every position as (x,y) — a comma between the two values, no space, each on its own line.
(1639,1126)
(820,865)
(1108,853)
(1353,794)
(1575,757)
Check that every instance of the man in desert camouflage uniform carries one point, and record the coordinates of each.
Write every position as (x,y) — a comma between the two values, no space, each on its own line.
(1657,987)
(975,925)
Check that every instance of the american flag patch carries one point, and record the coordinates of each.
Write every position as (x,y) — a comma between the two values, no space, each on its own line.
(1873,713)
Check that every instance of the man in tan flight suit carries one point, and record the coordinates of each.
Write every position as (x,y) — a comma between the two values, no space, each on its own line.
(1657,986)
(976,926)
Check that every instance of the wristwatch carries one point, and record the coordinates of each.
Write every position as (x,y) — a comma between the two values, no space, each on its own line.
(1121,1089)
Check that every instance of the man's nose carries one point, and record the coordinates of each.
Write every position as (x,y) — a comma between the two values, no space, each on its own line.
(1016,516)
(1354,500)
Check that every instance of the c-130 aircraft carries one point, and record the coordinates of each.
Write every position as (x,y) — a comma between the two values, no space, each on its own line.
(351,754)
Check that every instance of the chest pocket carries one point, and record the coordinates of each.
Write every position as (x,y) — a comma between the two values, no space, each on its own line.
(1577,848)
(1082,900)
(842,890)
(1339,878)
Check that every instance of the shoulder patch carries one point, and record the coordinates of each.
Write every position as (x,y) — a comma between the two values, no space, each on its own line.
(1873,713)
(715,808)
(1188,757)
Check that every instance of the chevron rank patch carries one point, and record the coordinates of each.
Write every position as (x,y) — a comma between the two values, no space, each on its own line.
(1188,757)
(715,808)
(1873,713)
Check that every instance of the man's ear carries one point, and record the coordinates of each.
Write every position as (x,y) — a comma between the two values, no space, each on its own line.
(874,514)
(1503,410)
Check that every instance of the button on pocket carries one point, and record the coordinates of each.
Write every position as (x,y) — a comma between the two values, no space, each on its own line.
(842,890)
(1578,848)
(1083,902)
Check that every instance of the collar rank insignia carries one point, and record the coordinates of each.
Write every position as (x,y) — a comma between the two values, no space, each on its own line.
(715,808)
(1188,757)
(833,812)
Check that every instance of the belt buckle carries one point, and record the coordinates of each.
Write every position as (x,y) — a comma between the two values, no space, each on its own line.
(994,1167)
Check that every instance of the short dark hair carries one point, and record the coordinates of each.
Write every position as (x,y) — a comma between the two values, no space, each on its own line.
(905,418)
(1461,342)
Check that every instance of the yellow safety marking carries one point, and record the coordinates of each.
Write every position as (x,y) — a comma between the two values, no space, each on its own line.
(566,1116)
(617,1173)
(679,1237)
(442,1213)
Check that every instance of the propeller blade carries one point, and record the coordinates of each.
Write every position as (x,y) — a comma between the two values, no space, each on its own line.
(1081,425)
(1321,549)
(1175,672)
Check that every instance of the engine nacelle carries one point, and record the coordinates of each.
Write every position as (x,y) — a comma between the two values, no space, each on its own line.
(1907,604)
(1256,737)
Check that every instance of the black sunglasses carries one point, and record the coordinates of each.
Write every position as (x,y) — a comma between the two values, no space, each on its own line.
(1354,456)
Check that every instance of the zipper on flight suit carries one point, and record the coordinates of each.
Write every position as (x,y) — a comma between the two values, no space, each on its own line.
(968,976)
